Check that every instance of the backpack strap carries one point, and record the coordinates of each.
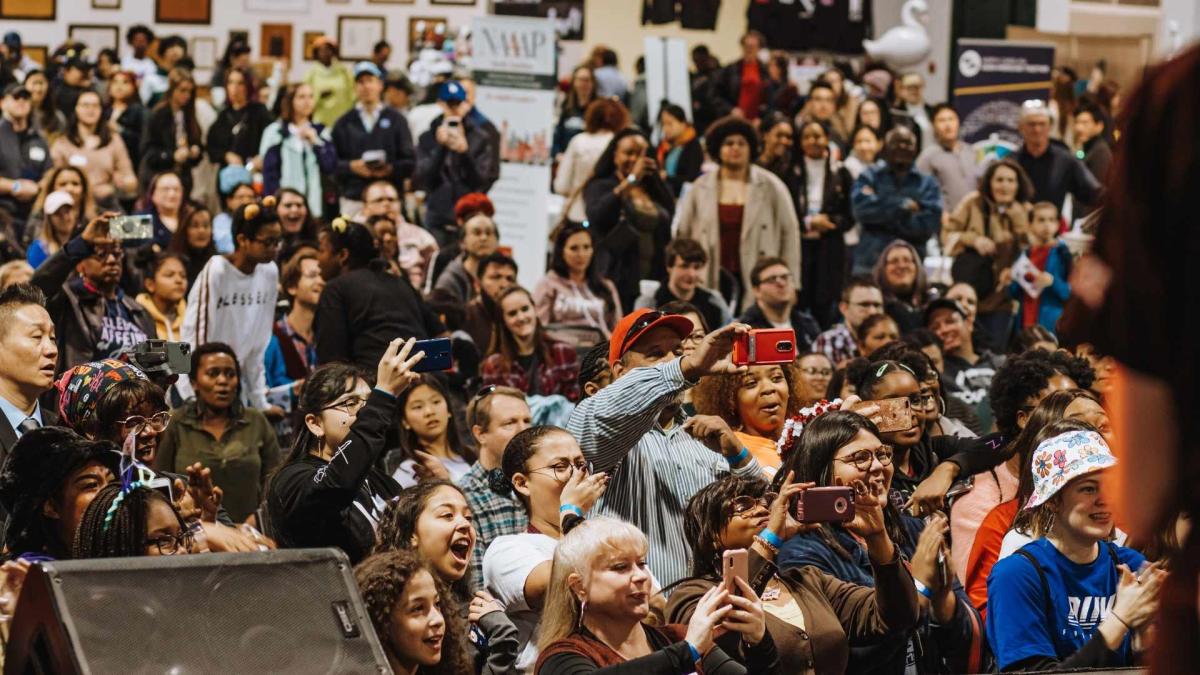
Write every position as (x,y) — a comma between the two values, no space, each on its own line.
(1041,576)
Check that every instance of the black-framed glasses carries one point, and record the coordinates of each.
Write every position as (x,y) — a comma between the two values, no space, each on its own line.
(562,470)
(347,405)
(784,278)
(272,242)
(173,544)
(863,458)
(102,254)
(156,422)
(817,372)
(483,393)
(745,503)
(694,338)
(868,305)
(639,326)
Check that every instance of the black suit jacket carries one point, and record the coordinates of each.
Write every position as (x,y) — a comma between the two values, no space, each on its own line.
(8,435)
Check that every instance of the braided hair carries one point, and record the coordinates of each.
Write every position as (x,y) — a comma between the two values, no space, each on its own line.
(115,523)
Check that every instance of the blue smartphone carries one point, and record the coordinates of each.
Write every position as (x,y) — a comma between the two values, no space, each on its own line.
(438,355)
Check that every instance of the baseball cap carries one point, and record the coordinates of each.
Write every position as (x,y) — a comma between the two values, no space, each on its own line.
(12,39)
(17,90)
(366,68)
(635,324)
(1060,460)
(56,200)
(943,303)
(452,92)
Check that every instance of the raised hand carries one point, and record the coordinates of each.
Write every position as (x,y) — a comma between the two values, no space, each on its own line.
(396,367)
(583,489)
(714,353)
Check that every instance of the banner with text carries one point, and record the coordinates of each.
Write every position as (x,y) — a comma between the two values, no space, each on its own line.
(514,62)
(992,78)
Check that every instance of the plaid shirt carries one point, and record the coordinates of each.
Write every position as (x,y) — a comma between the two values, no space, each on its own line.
(837,343)
(494,515)
(559,375)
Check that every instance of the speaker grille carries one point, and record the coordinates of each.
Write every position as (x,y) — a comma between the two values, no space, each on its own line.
(250,613)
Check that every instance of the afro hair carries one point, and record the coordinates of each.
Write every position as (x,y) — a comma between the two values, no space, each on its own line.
(1024,376)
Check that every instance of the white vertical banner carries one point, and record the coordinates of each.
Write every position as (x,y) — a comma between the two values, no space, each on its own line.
(667,76)
(514,60)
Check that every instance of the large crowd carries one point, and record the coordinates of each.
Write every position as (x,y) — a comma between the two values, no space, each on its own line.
(241,293)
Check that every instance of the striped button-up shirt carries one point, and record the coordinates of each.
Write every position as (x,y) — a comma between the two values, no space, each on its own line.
(494,515)
(653,471)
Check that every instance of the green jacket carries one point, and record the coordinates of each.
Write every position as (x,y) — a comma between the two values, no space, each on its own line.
(339,83)
(240,461)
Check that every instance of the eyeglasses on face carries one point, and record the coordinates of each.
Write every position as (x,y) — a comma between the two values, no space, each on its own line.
(862,459)
(562,470)
(156,423)
(271,242)
(745,503)
(348,405)
(102,254)
(817,372)
(784,278)
(868,305)
(173,544)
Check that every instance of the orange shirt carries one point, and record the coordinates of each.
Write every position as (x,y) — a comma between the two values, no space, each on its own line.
(986,550)
(764,450)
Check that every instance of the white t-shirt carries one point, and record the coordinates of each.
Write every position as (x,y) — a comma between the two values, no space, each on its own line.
(406,473)
(238,309)
(506,565)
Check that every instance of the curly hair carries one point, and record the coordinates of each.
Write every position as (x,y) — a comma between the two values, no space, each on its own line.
(472,204)
(1026,375)
(718,395)
(728,126)
(381,580)
(125,532)
(398,527)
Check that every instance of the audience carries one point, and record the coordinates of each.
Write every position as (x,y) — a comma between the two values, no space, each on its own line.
(686,261)
(573,292)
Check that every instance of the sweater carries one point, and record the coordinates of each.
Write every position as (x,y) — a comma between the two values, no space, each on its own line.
(575,168)
(563,301)
(238,309)
(291,162)
(105,167)
(712,306)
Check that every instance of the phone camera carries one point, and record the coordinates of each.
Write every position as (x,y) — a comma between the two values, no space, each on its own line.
(840,505)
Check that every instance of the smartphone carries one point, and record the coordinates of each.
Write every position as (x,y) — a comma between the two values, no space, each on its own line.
(735,563)
(453,123)
(959,488)
(833,504)
(895,414)
(438,355)
(122,228)
(374,157)
(765,346)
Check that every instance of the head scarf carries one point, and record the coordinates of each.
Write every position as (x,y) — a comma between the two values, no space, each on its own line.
(80,388)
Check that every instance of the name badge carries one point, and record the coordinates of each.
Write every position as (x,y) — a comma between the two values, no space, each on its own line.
(37,153)
(385,123)
(78,161)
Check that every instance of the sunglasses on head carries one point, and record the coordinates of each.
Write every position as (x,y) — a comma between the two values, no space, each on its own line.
(638,326)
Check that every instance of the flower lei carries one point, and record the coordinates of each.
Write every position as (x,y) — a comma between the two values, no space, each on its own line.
(794,426)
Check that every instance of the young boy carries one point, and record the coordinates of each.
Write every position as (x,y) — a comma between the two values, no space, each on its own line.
(1040,274)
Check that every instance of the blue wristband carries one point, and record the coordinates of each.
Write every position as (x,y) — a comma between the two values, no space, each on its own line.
(739,458)
(923,589)
(695,652)
(572,508)
(771,538)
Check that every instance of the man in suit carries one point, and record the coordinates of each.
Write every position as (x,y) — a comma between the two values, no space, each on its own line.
(28,354)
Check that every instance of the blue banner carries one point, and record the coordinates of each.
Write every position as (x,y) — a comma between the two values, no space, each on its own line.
(992,78)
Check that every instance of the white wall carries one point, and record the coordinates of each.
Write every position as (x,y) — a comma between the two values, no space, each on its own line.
(230,15)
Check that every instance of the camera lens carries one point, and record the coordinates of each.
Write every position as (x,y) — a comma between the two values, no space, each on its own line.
(784,346)
(840,504)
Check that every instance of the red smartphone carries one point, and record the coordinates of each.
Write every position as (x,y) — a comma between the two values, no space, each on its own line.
(765,346)
(735,563)
(825,505)
(895,414)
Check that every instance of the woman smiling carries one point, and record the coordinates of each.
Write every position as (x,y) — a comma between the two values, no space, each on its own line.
(754,404)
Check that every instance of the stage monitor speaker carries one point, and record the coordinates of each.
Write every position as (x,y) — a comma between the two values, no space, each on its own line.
(289,611)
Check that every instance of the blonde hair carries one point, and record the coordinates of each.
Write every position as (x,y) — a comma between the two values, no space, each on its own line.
(11,268)
(577,553)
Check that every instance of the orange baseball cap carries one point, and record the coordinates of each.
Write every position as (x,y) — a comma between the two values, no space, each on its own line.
(633,325)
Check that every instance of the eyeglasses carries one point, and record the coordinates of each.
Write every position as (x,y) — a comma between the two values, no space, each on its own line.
(349,406)
(137,423)
(172,544)
(695,338)
(923,400)
(638,326)
(562,470)
(776,279)
(102,254)
(746,503)
(273,242)
(867,305)
(862,459)
(817,372)
(380,200)
(483,393)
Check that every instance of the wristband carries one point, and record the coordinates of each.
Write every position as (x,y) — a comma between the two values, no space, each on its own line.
(1123,622)
(738,458)
(923,589)
(695,652)
(771,538)
(572,508)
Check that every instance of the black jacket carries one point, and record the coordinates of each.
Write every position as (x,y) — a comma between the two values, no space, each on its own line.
(727,87)
(803,323)
(363,310)
(823,261)
(79,314)
(618,241)
(691,159)
(158,148)
(447,176)
(130,124)
(237,131)
(24,155)
(312,502)
(1057,172)
(390,134)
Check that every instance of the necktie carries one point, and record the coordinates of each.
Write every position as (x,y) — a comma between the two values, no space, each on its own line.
(27,425)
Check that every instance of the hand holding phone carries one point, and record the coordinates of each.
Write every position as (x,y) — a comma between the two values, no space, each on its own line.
(735,564)
(762,346)
(439,355)
(834,504)
(895,414)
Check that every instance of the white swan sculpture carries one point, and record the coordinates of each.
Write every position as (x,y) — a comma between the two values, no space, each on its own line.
(905,46)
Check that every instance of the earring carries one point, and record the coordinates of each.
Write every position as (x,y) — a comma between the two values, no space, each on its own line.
(582,611)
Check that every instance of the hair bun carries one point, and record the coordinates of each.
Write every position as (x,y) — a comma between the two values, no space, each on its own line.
(498,483)
(339,225)
(268,202)
(250,212)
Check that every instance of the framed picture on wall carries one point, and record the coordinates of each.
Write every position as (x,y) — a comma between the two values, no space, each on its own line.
(204,52)
(28,9)
(426,31)
(106,4)
(309,38)
(95,36)
(462,3)
(391,2)
(39,53)
(281,6)
(183,11)
(276,40)
(358,34)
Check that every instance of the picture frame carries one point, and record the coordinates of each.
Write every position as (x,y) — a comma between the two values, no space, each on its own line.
(307,41)
(204,52)
(96,36)
(29,9)
(183,11)
(358,34)
(427,31)
(279,6)
(106,4)
(39,53)
(457,3)
(391,2)
(276,41)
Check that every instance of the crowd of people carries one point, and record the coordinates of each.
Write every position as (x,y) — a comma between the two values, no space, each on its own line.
(562,494)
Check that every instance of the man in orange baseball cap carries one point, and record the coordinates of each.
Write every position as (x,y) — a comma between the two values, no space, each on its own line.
(635,430)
